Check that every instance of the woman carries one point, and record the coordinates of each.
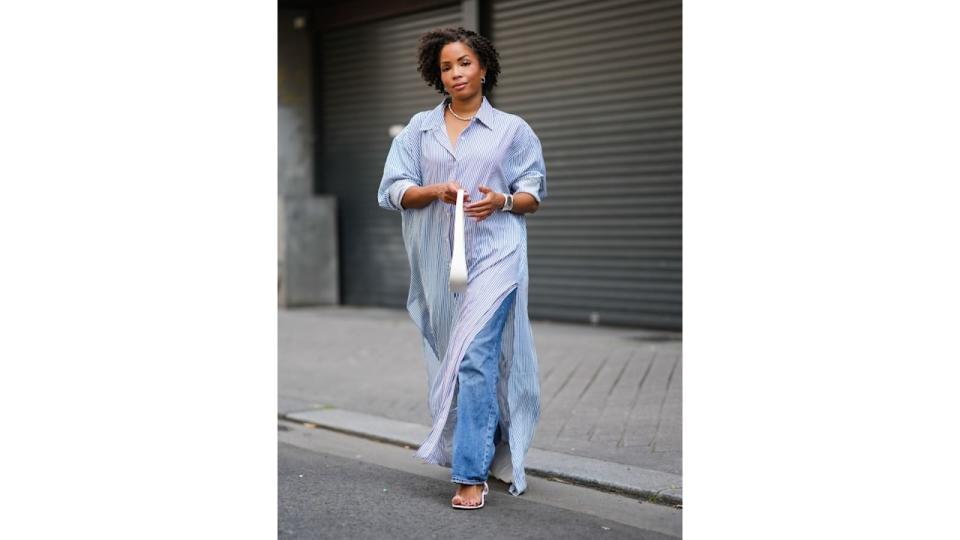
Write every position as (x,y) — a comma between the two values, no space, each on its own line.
(481,364)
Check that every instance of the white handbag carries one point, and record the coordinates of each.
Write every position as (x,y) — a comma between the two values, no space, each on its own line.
(458,262)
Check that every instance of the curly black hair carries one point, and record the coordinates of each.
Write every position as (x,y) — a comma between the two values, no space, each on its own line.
(432,42)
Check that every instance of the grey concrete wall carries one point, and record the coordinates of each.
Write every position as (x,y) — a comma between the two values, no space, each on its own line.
(295,105)
(308,253)
(309,257)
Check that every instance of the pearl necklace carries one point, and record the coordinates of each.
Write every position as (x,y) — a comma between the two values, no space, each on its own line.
(450,108)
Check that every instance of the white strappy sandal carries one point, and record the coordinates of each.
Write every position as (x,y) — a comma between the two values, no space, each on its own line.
(486,489)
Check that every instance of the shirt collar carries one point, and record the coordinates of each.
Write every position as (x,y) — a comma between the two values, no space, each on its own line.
(484,115)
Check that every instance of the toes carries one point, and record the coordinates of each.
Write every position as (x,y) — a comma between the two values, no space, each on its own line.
(471,496)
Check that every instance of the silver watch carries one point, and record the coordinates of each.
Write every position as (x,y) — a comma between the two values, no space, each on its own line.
(508,205)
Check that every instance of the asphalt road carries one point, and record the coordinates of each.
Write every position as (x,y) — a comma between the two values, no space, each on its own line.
(333,485)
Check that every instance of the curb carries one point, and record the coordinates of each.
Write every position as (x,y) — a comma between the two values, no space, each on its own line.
(649,485)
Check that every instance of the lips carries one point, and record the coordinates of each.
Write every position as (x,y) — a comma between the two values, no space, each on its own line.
(460,86)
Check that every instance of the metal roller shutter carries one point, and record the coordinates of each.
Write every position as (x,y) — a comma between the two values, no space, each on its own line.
(600,83)
(369,83)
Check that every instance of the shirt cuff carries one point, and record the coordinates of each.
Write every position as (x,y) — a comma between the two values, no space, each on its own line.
(397,189)
(530,184)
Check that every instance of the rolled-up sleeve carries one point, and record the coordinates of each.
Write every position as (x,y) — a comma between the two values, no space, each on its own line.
(402,169)
(525,171)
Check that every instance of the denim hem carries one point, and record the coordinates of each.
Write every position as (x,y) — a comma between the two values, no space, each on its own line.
(458,480)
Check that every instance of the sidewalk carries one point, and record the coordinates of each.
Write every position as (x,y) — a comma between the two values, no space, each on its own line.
(610,397)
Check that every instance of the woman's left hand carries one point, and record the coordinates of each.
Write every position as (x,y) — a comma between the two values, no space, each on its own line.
(490,203)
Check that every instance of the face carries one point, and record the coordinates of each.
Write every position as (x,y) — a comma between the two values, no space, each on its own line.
(460,70)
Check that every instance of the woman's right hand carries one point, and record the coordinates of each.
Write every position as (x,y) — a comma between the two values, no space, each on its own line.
(448,193)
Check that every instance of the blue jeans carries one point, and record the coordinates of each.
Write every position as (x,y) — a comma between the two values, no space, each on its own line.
(477,432)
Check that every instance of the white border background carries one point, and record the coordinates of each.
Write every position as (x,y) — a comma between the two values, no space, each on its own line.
(138,224)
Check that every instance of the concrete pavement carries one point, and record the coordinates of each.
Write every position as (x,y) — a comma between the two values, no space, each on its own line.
(338,486)
(610,397)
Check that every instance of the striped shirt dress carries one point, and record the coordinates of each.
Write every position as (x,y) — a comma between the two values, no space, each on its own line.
(501,151)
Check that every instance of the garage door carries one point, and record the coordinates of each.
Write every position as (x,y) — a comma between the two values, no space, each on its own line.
(600,83)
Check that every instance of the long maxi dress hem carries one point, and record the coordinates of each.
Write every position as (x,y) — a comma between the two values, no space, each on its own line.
(437,448)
